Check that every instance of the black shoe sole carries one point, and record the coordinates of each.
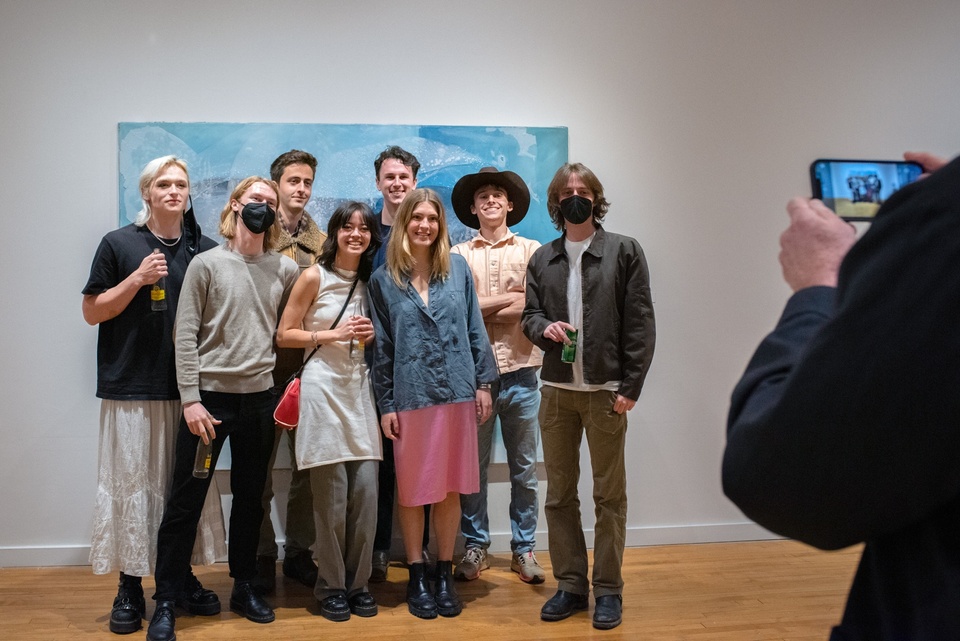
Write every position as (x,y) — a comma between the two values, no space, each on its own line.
(560,616)
(607,625)
(242,611)
(369,611)
(337,616)
(450,612)
(421,613)
(125,627)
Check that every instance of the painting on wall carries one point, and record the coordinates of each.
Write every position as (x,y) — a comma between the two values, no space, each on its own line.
(219,155)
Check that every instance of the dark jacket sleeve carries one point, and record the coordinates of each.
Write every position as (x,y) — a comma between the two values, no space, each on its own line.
(848,428)
(533,320)
(639,334)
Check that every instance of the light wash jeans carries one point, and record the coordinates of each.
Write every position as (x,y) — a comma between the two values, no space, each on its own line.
(516,402)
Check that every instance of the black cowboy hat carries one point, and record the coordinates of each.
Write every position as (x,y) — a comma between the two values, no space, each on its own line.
(466,187)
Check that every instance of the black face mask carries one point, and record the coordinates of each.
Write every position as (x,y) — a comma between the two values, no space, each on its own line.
(258,217)
(576,209)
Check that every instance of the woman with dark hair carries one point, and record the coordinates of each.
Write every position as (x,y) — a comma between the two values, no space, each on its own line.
(432,376)
(338,441)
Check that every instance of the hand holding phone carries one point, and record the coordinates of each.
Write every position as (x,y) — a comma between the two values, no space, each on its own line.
(855,189)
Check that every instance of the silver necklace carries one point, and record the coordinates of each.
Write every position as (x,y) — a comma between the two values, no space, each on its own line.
(162,241)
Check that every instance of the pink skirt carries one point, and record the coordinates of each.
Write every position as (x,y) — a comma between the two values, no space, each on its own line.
(436,453)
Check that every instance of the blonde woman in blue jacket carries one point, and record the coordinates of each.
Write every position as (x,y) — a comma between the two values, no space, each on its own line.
(432,373)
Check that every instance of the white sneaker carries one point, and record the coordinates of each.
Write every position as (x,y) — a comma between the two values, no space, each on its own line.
(473,562)
(525,564)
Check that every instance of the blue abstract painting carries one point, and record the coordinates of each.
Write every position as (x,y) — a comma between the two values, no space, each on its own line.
(219,155)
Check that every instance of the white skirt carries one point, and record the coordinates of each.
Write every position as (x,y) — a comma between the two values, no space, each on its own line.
(137,452)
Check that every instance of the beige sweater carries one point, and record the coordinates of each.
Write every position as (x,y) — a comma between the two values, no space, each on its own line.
(226,320)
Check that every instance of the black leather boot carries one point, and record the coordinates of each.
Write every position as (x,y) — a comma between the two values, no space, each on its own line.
(129,606)
(445,594)
(198,600)
(419,598)
(163,624)
(245,601)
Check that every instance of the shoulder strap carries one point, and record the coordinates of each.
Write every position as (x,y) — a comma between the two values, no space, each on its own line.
(337,320)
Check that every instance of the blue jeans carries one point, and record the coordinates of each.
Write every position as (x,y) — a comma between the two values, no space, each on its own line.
(516,403)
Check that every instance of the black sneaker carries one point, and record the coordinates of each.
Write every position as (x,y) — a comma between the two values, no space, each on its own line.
(129,607)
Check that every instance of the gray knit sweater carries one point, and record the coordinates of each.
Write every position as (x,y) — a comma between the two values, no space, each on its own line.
(226,321)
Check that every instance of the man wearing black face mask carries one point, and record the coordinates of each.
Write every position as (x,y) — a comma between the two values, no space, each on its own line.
(229,306)
(591,286)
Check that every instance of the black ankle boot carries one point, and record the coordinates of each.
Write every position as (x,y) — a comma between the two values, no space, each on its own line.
(419,598)
(129,606)
(445,594)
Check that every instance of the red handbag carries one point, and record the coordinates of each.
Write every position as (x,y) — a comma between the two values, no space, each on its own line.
(287,412)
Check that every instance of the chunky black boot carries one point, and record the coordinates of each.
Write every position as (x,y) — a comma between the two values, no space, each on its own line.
(198,600)
(129,606)
(446,597)
(419,598)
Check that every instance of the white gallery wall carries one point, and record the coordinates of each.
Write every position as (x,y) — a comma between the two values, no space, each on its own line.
(700,117)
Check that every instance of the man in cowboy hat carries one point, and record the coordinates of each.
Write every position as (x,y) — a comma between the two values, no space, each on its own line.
(492,201)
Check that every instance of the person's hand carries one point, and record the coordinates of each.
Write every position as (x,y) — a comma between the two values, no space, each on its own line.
(200,421)
(390,426)
(623,404)
(928,161)
(362,328)
(484,405)
(152,268)
(557,331)
(813,246)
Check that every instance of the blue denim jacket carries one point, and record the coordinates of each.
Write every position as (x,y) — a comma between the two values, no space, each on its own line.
(428,356)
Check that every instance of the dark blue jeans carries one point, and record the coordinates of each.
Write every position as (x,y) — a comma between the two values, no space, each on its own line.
(247,419)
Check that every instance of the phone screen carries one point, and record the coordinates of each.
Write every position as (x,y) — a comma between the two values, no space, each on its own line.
(855,189)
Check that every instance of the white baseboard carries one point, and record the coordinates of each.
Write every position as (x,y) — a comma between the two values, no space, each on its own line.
(26,556)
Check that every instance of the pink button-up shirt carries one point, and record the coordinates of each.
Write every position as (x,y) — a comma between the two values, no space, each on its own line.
(500,268)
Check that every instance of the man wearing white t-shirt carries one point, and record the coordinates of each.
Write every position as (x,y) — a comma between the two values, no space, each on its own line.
(591,285)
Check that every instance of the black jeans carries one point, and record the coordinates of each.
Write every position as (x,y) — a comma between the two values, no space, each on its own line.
(247,419)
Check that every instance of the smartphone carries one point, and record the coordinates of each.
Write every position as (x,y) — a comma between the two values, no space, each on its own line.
(855,189)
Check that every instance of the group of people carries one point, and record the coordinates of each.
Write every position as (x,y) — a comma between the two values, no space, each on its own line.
(414,351)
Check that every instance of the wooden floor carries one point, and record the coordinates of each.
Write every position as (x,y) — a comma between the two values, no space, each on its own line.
(770,590)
